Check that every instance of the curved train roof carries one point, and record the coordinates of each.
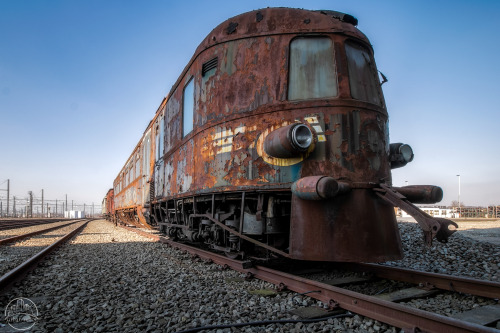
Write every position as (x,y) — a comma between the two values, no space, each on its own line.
(269,21)
(275,21)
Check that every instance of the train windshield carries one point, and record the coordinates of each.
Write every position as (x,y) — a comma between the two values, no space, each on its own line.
(363,79)
(312,69)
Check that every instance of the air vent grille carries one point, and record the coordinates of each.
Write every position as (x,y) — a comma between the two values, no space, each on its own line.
(209,65)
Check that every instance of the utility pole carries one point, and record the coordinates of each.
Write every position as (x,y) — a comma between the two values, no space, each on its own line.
(14,208)
(48,213)
(56,207)
(31,204)
(459,206)
(42,203)
(8,195)
(66,202)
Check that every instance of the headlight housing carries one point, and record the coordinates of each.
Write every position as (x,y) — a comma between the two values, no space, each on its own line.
(400,155)
(288,141)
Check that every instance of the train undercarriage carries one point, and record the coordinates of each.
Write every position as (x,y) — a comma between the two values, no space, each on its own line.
(236,223)
(309,221)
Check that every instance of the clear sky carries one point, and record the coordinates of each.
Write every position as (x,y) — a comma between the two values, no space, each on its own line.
(80,80)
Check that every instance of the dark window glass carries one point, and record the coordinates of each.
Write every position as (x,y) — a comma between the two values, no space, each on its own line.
(312,69)
(363,78)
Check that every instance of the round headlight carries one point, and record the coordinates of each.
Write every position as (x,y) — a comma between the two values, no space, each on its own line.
(302,136)
(406,152)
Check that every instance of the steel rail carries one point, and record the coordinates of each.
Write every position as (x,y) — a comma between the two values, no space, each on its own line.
(15,225)
(441,281)
(27,223)
(20,271)
(410,319)
(34,233)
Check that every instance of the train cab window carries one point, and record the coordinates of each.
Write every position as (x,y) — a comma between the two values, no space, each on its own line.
(312,69)
(188,108)
(363,78)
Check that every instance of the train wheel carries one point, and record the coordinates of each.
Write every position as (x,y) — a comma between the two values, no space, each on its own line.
(232,255)
(172,233)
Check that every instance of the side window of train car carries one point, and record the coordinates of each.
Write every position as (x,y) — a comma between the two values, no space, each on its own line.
(312,69)
(188,108)
(363,79)
(157,142)
(160,138)
(146,146)
(138,165)
(127,176)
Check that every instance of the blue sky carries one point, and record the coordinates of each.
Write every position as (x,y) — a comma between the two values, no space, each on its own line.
(80,80)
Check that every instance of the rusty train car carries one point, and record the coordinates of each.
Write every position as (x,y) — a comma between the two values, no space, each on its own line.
(274,140)
(108,204)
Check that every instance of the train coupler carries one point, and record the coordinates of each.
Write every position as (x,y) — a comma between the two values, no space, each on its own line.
(431,226)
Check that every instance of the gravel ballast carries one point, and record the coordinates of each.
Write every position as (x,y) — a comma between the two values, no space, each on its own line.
(24,230)
(460,256)
(108,279)
(14,254)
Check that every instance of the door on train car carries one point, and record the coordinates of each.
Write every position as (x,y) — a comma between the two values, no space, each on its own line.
(159,173)
(146,153)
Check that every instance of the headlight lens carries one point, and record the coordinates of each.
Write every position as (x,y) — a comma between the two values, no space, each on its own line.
(400,155)
(302,136)
(406,152)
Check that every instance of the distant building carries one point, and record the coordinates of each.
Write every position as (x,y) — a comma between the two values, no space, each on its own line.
(494,212)
(445,212)
(74,214)
(455,212)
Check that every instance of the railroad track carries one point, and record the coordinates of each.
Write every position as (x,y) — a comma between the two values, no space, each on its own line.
(384,307)
(19,259)
(21,236)
(6,224)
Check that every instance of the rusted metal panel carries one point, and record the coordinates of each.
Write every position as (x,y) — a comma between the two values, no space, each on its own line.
(356,227)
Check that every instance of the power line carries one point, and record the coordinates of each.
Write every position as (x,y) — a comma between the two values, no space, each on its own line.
(15,205)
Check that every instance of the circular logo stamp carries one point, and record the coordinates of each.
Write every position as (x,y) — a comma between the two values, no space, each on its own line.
(21,314)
